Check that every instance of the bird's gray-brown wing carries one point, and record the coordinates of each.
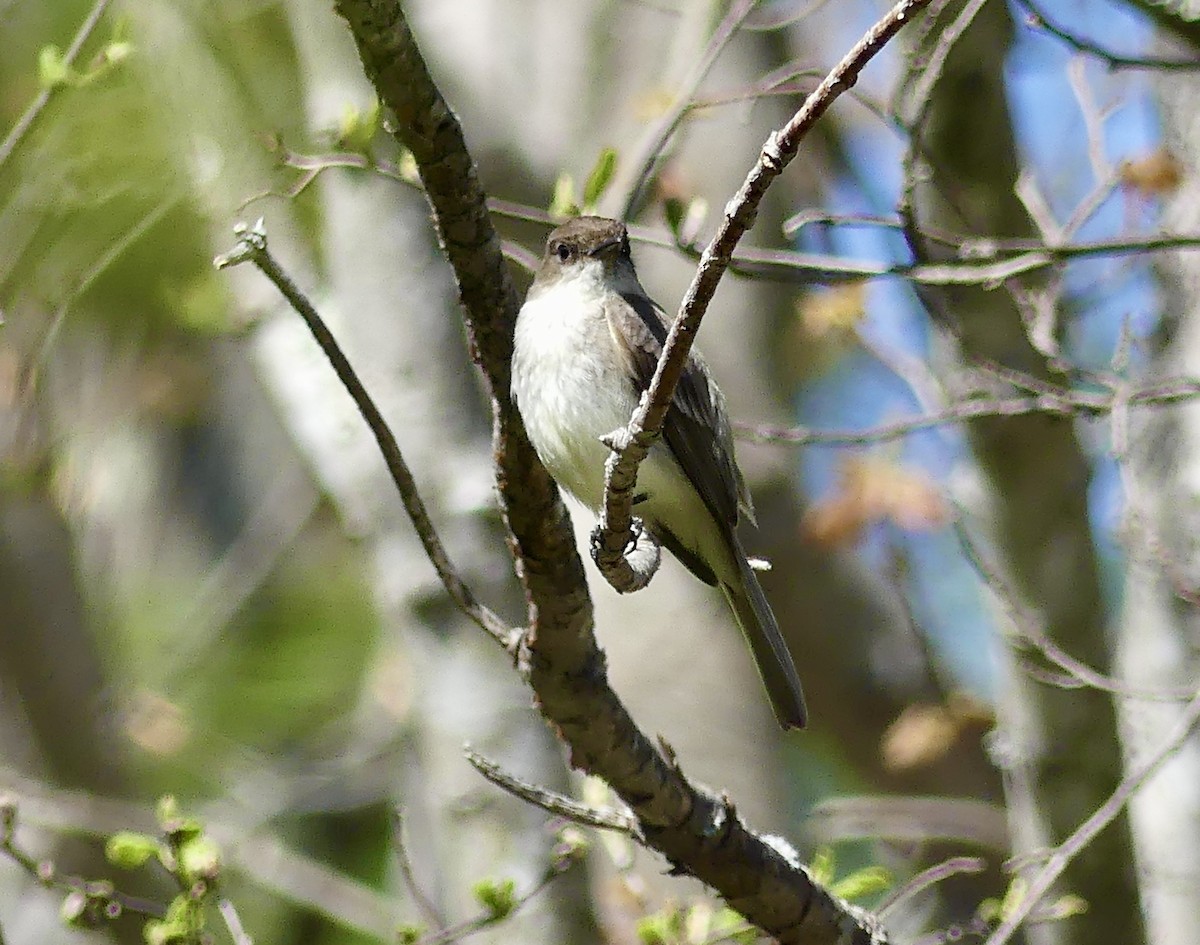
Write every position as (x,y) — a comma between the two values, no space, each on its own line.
(696,427)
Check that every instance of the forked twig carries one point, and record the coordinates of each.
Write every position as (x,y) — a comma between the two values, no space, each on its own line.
(632,444)
(252,248)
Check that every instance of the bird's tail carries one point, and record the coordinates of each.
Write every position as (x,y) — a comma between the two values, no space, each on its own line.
(771,654)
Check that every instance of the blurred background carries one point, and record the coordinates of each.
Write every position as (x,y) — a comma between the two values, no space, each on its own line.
(208,587)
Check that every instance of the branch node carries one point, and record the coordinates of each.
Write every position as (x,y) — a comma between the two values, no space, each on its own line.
(772,154)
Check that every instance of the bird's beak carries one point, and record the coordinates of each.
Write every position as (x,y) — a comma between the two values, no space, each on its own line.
(606,247)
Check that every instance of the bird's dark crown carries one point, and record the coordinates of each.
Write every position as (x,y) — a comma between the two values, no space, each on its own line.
(586,236)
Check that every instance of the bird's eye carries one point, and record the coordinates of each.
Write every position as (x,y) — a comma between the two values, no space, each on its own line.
(563,251)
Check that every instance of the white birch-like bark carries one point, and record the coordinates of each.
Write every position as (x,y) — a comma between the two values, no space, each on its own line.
(1157,632)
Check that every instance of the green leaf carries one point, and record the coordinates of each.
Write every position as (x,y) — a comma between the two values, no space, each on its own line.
(822,866)
(1064,907)
(864,882)
(1014,896)
(117,52)
(357,129)
(497,896)
(673,210)
(988,911)
(562,203)
(172,822)
(599,179)
(728,925)
(183,922)
(658,928)
(407,166)
(130,850)
(166,810)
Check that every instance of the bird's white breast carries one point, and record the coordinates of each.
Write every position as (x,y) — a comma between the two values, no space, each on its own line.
(572,387)
(569,383)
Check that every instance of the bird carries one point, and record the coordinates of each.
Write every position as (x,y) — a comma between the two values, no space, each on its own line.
(586,343)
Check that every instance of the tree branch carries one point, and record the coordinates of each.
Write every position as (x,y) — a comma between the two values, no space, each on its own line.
(1038,20)
(1058,861)
(18,131)
(1054,402)
(699,833)
(252,247)
(631,445)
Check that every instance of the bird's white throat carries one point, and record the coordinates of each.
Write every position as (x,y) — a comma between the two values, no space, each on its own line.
(569,381)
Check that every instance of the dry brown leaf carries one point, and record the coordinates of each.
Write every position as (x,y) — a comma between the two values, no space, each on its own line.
(922,735)
(1156,174)
(836,521)
(835,310)
(871,490)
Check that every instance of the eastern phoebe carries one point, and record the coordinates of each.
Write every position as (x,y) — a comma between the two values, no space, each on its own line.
(588,339)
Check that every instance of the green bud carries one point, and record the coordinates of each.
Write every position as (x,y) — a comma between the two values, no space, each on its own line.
(172,822)
(658,928)
(572,845)
(199,858)
(497,896)
(129,850)
(822,866)
(53,70)
(562,203)
(673,210)
(73,910)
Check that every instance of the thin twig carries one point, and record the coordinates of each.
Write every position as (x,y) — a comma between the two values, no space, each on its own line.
(467,927)
(102,897)
(38,105)
(425,904)
(1038,20)
(552,802)
(1061,857)
(633,443)
(954,866)
(925,72)
(650,149)
(1024,633)
(113,251)
(233,922)
(1054,402)
(252,248)
(982,260)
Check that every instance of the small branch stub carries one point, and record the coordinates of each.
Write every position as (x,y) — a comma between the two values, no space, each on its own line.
(251,244)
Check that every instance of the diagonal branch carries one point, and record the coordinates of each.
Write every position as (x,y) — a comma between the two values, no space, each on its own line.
(649,151)
(1065,852)
(699,833)
(632,445)
(252,247)
(31,114)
